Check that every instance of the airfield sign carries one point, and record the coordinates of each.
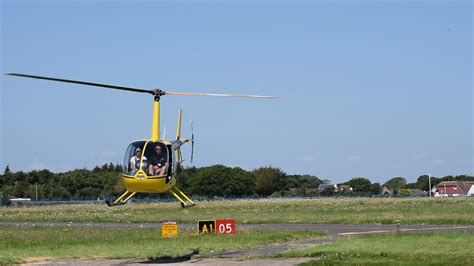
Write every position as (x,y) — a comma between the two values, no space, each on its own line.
(169,229)
(218,227)
(207,226)
(225,227)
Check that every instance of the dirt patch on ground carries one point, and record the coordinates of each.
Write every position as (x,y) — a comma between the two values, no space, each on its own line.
(35,259)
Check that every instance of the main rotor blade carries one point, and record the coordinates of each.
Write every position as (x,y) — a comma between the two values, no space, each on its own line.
(83,83)
(153,92)
(218,95)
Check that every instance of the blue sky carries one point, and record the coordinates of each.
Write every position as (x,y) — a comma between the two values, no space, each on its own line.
(375,88)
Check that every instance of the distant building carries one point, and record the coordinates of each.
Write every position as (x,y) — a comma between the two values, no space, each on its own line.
(346,188)
(455,188)
(323,187)
(386,191)
(20,201)
(470,193)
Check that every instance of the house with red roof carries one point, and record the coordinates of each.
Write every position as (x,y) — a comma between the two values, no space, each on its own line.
(455,188)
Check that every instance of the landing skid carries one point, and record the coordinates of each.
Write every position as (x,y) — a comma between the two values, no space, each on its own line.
(181,197)
(127,195)
(176,192)
(187,206)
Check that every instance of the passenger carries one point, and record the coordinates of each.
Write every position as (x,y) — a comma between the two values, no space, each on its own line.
(135,161)
(158,164)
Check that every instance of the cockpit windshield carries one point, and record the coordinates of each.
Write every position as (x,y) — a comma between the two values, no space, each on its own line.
(133,158)
(151,157)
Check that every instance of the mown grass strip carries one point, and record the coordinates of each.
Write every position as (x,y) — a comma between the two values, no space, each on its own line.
(396,249)
(20,244)
(316,211)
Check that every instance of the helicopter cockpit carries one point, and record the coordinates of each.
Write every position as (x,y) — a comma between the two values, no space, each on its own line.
(151,157)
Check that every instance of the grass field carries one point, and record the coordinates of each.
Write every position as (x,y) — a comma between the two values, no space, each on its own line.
(20,244)
(406,249)
(23,244)
(454,211)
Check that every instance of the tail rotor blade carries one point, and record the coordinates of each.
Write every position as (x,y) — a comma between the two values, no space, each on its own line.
(192,142)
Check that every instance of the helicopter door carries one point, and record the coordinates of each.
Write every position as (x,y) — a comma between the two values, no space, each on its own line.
(133,160)
(157,154)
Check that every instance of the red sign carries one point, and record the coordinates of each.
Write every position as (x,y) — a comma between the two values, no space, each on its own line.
(225,227)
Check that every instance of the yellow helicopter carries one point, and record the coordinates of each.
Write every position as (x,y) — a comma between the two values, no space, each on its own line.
(150,165)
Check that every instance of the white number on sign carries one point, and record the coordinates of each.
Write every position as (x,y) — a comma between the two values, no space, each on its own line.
(225,228)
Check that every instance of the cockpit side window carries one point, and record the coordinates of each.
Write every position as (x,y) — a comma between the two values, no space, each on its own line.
(157,154)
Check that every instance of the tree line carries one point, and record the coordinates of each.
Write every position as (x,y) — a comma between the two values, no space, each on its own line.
(399,185)
(216,180)
(76,184)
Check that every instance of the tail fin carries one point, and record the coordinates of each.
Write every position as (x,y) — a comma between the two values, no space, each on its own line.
(178,136)
(178,130)
(179,142)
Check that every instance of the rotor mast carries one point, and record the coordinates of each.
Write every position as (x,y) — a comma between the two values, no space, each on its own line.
(155,125)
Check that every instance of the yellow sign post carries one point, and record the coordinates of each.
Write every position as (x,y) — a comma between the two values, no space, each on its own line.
(169,229)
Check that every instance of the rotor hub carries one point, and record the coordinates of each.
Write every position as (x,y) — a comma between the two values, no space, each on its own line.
(158,93)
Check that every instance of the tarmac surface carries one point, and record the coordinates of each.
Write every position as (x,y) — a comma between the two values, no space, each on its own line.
(236,257)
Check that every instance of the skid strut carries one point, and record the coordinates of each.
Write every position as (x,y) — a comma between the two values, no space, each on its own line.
(179,195)
(120,200)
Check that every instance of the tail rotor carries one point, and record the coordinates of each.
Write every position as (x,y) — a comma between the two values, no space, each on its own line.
(192,142)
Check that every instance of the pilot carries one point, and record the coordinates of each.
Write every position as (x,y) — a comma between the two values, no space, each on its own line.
(158,164)
(135,161)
